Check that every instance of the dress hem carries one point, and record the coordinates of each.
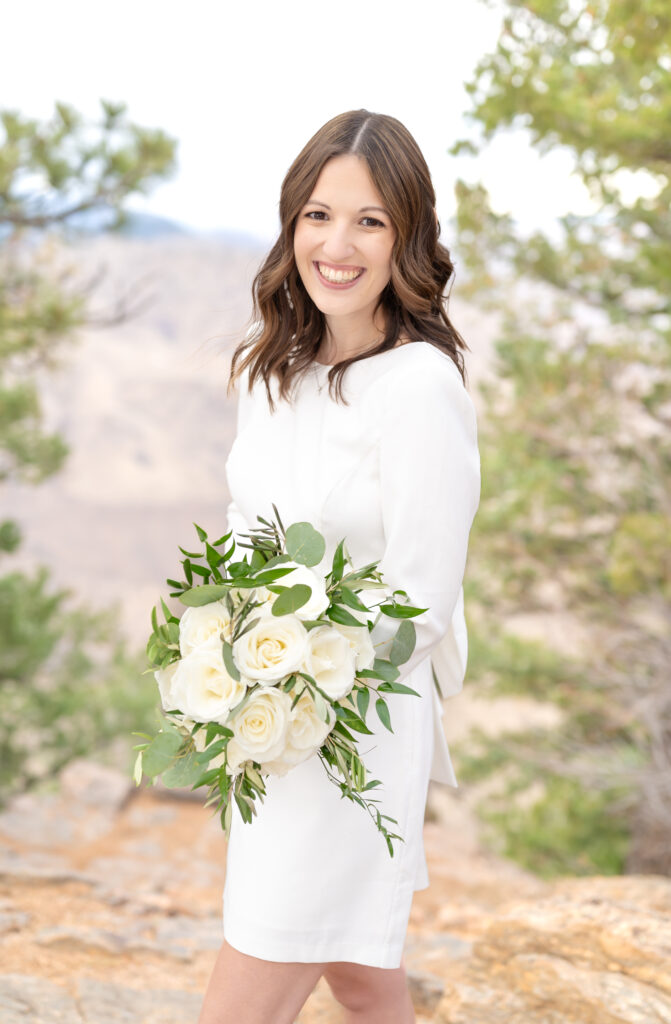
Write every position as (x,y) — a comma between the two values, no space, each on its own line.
(313,951)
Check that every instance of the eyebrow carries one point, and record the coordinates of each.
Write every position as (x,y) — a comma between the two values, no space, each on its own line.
(363,208)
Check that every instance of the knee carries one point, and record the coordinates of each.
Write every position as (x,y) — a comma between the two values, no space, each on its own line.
(359,988)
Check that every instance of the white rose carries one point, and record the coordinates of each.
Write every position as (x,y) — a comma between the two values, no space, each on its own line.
(260,727)
(165,677)
(205,690)
(318,602)
(276,767)
(305,736)
(330,661)
(307,731)
(361,644)
(203,625)
(273,648)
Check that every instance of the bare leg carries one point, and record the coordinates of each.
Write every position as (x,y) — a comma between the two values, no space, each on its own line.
(246,990)
(371,995)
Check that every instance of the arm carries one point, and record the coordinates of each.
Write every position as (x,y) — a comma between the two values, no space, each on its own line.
(430,489)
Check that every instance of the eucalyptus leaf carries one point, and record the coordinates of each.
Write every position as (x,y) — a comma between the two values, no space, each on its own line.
(161,752)
(304,544)
(403,643)
(184,771)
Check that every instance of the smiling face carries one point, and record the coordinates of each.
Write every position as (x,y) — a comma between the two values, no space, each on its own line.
(343,242)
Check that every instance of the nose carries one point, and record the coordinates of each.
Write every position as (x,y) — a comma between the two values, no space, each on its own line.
(337,245)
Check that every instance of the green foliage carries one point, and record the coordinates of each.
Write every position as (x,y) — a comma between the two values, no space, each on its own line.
(575,438)
(67,685)
(51,171)
(569,830)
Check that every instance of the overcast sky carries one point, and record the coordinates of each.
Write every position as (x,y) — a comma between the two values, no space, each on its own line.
(243,87)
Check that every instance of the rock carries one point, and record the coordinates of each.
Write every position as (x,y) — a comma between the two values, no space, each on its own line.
(37,820)
(13,921)
(95,785)
(74,939)
(36,868)
(579,955)
(180,930)
(426,991)
(25,999)
(106,1003)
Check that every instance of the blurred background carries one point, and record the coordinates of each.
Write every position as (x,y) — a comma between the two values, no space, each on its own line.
(141,156)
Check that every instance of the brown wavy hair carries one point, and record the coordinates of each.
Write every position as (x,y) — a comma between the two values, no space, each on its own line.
(286,327)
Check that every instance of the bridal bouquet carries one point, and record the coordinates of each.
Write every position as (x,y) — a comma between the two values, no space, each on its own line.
(271,663)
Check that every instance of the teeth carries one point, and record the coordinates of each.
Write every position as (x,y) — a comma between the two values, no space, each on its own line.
(338,276)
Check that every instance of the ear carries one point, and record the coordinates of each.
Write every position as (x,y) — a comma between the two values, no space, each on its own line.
(435,213)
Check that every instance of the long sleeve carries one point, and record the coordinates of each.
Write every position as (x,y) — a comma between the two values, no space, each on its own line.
(430,489)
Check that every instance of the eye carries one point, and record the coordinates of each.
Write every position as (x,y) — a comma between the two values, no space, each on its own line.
(374,220)
(316,213)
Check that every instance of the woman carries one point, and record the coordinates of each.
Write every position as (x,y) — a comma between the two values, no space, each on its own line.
(354,416)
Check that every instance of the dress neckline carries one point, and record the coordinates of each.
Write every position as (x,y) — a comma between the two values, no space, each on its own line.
(406,344)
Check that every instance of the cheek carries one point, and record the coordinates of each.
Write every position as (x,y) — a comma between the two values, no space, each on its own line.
(301,244)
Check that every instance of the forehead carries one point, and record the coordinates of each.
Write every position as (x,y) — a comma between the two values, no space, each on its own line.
(347,179)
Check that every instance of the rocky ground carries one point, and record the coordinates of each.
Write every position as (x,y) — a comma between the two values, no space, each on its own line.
(110,906)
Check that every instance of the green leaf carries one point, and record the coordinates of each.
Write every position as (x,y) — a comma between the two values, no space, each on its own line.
(244,808)
(401,611)
(231,667)
(403,643)
(381,669)
(397,688)
(201,532)
(339,614)
(383,713)
(362,701)
(137,768)
(161,752)
(348,597)
(214,559)
(184,771)
(291,599)
(202,571)
(304,544)
(190,554)
(206,593)
(338,564)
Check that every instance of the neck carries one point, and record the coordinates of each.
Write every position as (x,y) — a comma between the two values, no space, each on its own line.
(345,337)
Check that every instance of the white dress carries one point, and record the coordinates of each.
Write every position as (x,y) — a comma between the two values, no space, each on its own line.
(397,473)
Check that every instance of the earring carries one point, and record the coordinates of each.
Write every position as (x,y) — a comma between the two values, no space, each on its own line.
(288,294)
